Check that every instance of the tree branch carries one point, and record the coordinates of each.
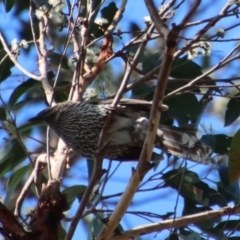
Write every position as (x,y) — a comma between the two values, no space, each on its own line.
(16,63)
(176,222)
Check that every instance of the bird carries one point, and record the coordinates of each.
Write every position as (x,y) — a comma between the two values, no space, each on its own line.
(79,124)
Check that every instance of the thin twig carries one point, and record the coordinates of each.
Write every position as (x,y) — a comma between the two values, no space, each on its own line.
(16,63)
(32,178)
(32,27)
(96,175)
(222,63)
(202,31)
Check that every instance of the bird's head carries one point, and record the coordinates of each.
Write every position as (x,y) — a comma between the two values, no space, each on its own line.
(48,115)
(51,115)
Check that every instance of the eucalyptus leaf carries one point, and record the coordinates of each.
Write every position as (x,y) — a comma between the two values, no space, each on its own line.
(222,143)
(5,67)
(22,89)
(184,68)
(8,5)
(233,110)
(74,192)
(234,158)
(16,178)
(3,114)
(11,155)
(151,61)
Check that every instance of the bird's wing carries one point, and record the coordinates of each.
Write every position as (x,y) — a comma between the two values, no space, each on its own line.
(128,102)
(199,152)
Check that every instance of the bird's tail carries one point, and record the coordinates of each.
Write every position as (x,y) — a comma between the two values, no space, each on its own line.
(183,142)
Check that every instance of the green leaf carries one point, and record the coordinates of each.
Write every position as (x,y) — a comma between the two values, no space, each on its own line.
(222,143)
(26,128)
(90,167)
(9,4)
(182,180)
(60,96)
(11,155)
(229,225)
(22,89)
(233,110)
(3,114)
(190,208)
(95,227)
(134,29)
(15,180)
(215,233)
(193,236)
(109,12)
(61,233)
(35,100)
(191,188)
(142,91)
(190,235)
(223,173)
(73,192)
(231,192)
(151,61)
(97,223)
(213,196)
(131,51)
(209,140)
(234,158)
(95,32)
(5,67)
(184,108)
(173,85)
(173,236)
(177,174)
(184,68)
(175,113)
(102,86)
(189,104)
(57,58)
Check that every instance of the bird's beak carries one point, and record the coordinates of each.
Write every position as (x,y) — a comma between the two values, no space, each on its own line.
(43,115)
(34,119)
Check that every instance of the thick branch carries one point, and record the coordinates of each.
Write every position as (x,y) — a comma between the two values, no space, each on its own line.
(11,226)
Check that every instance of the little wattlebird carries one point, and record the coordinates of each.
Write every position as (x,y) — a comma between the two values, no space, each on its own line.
(79,124)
